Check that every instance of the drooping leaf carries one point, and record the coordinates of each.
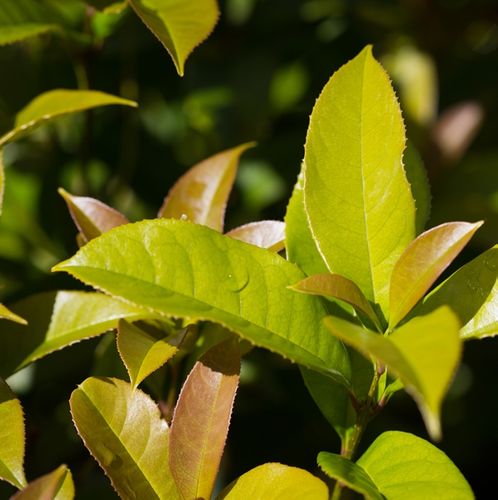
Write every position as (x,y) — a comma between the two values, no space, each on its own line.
(180,26)
(11,437)
(141,352)
(422,263)
(123,430)
(275,481)
(406,467)
(201,420)
(162,265)
(202,193)
(8,314)
(338,287)
(350,474)
(359,204)
(58,485)
(55,103)
(269,234)
(57,320)
(91,216)
(423,353)
(472,294)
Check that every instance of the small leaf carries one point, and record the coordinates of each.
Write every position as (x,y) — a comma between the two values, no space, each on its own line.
(269,234)
(423,353)
(123,430)
(422,263)
(338,287)
(58,485)
(141,352)
(472,294)
(55,103)
(201,419)
(406,467)
(202,193)
(8,314)
(350,474)
(92,217)
(274,481)
(21,32)
(179,26)
(11,438)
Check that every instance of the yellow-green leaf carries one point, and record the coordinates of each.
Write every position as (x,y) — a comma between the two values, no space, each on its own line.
(359,203)
(422,263)
(269,234)
(58,485)
(20,32)
(8,314)
(178,24)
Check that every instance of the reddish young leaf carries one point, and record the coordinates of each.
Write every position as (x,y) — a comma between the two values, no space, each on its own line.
(269,234)
(201,419)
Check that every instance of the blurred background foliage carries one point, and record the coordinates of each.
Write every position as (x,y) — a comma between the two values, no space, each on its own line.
(256,78)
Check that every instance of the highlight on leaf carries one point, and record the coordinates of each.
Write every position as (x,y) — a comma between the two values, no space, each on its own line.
(269,234)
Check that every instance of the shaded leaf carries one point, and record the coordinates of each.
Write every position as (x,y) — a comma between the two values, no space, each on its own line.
(58,485)
(8,314)
(422,263)
(359,204)
(123,430)
(201,194)
(162,265)
(423,353)
(201,420)
(269,234)
(406,467)
(2,180)
(20,32)
(180,26)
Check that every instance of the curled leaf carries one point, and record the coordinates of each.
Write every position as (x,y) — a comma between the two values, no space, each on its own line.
(269,234)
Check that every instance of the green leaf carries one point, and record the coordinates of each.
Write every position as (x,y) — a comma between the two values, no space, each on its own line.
(2,180)
(58,485)
(57,320)
(275,481)
(201,419)
(202,193)
(141,352)
(8,314)
(20,32)
(162,265)
(11,437)
(180,26)
(91,216)
(123,430)
(406,467)
(55,103)
(423,353)
(422,263)
(359,204)
(269,234)
(349,473)
(338,287)
(472,294)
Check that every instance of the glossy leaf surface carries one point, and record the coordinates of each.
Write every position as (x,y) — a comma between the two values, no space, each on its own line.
(275,481)
(11,437)
(162,265)
(201,420)
(201,194)
(406,467)
(356,194)
(58,485)
(141,352)
(348,473)
(123,430)
(269,234)
(422,263)
(180,26)
(423,353)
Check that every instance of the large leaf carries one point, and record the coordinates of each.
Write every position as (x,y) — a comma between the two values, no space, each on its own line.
(201,419)
(350,474)
(356,194)
(406,467)
(179,25)
(268,234)
(275,481)
(123,430)
(58,485)
(56,320)
(472,294)
(423,353)
(422,263)
(11,437)
(202,193)
(187,270)
(55,103)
